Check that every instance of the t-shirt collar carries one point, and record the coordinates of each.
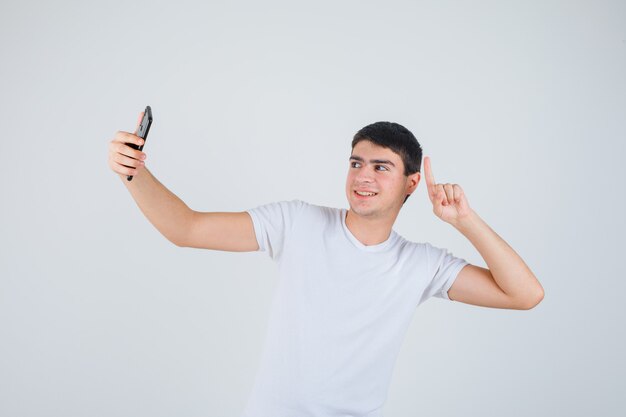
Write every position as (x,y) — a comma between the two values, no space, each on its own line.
(356,242)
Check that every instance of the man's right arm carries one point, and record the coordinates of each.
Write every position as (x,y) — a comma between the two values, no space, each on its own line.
(228,231)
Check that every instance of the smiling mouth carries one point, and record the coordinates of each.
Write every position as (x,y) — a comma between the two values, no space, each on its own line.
(364,194)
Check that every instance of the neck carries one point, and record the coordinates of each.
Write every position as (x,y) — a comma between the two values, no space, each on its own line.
(370,230)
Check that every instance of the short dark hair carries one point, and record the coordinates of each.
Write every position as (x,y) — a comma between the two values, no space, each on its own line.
(397,138)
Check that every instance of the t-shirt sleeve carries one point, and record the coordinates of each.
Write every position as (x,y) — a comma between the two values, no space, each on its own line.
(443,269)
(272,225)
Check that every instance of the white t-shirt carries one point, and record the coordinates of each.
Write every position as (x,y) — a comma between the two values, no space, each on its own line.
(339,313)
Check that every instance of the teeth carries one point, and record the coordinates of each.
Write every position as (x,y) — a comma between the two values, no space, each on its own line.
(365,193)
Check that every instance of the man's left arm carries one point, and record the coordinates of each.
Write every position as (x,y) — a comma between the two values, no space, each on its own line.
(509,282)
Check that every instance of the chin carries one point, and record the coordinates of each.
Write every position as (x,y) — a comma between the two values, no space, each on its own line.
(366,212)
(362,210)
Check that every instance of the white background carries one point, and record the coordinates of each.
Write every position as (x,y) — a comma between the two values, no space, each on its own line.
(521,103)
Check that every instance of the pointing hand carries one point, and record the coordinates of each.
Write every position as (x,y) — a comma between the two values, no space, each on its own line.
(449,201)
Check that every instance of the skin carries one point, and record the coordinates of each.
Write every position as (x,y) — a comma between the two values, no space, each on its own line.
(122,158)
(371,220)
(506,283)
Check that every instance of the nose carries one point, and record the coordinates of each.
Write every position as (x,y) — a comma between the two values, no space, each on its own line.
(364,175)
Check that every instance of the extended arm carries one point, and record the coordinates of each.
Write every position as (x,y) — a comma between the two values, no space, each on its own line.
(228,231)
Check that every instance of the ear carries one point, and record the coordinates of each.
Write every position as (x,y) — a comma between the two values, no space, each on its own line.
(412,182)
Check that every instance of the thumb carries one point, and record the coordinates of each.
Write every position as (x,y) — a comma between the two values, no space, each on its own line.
(138,123)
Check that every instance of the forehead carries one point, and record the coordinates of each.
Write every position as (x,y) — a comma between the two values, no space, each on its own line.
(369,150)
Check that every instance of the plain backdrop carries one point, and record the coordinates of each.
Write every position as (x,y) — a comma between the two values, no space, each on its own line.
(521,103)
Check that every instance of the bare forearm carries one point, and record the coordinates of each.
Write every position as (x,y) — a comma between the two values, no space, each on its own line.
(507,267)
(168,213)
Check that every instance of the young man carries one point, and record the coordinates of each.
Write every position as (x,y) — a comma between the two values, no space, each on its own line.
(349,284)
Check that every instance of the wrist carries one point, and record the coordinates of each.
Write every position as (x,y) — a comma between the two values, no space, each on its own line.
(466,222)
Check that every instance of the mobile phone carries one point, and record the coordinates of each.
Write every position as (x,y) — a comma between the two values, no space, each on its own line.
(142,132)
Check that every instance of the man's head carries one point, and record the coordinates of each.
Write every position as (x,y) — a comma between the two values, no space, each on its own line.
(393,181)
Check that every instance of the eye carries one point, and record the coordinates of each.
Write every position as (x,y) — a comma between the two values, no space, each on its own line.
(352,164)
(382,166)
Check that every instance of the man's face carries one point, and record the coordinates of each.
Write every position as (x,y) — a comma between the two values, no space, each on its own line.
(379,170)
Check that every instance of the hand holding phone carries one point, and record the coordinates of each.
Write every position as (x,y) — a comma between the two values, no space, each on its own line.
(142,132)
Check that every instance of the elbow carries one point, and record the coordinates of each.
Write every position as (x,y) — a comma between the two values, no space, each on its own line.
(534,301)
(177,243)
(179,240)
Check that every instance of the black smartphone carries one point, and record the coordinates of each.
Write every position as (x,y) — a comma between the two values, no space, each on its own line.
(142,132)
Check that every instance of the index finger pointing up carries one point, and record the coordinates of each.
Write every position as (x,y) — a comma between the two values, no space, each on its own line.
(430,179)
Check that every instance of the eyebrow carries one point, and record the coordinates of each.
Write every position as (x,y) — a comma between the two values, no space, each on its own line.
(372,161)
